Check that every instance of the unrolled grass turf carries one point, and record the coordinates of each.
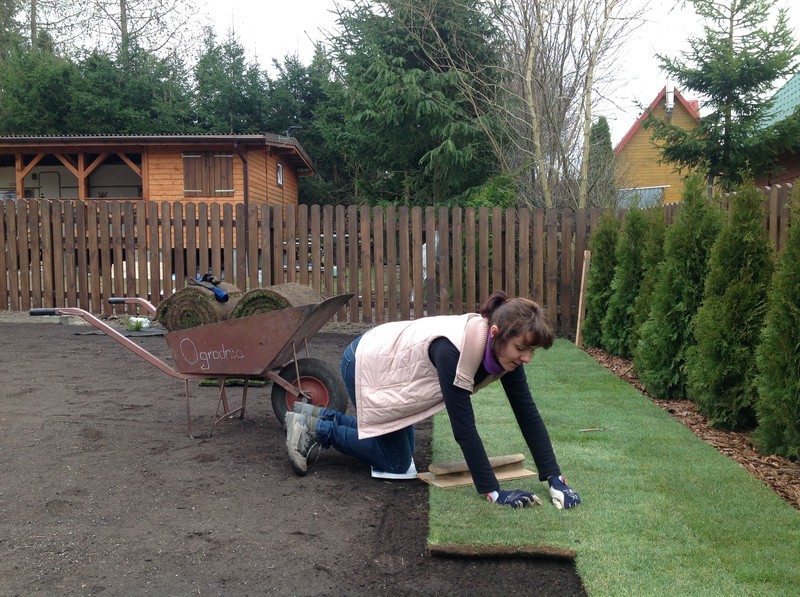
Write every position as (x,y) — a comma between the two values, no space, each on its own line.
(663,513)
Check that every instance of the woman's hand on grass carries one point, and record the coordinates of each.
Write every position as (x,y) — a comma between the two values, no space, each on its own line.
(562,495)
(516,498)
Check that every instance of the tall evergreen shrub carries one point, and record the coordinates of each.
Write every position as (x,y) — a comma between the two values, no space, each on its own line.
(652,256)
(602,245)
(620,319)
(778,356)
(722,367)
(660,354)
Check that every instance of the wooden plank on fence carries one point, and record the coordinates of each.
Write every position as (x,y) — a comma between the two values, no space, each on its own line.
(328,236)
(130,254)
(341,252)
(352,270)
(551,272)
(83,256)
(378,244)
(278,253)
(404,252)
(302,243)
(784,215)
(316,254)
(48,289)
(143,285)
(484,255)
(391,262)
(366,265)
(178,246)
(581,217)
(566,279)
(417,289)
(496,249)
(537,256)
(444,261)
(23,251)
(216,240)
(470,259)
(266,246)
(13,256)
(228,269)
(190,239)
(203,226)
(70,283)
(431,260)
(240,230)
(290,244)
(524,267)
(166,246)
(34,217)
(104,231)
(457,261)
(510,253)
(252,248)
(93,212)
(58,254)
(155,262)
(5,208)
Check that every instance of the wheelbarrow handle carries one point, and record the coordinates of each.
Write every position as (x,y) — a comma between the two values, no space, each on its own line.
(42,311)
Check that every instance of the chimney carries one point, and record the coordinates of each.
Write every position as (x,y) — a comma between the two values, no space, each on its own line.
(669,103)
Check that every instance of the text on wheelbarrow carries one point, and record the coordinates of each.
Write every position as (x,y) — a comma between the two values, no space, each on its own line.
(206,357)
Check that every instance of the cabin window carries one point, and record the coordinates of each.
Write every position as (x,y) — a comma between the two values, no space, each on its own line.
(208,174)
(280,175)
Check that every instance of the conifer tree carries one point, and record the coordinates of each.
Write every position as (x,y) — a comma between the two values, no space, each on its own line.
(620,318)
(778,357)
(652,256)
(666,335)
(601,273)
(721,367)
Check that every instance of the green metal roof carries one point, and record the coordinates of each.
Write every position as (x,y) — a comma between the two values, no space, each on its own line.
(784,102)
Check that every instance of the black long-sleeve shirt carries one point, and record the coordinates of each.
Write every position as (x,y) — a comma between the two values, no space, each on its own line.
(444,355)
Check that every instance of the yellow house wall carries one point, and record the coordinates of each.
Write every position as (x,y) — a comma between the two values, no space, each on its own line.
(639,163)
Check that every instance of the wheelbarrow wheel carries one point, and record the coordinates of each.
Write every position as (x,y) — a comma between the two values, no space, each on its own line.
(319,385)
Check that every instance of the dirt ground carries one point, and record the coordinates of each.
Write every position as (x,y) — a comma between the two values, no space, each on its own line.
(103,491)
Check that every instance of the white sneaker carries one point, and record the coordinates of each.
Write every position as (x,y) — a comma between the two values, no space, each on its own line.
(411,473)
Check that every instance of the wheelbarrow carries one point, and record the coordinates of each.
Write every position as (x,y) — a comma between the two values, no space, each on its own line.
(262,346)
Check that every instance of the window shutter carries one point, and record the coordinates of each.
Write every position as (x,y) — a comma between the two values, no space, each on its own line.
(222,174)
(192,175)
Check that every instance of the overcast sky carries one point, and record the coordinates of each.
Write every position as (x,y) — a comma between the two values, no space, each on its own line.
(271,29)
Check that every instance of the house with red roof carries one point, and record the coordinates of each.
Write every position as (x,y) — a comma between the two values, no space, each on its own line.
(639,170)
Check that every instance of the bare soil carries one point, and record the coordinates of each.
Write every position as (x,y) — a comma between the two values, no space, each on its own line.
(103,492)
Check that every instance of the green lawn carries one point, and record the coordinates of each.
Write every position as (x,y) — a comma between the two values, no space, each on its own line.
(663,513)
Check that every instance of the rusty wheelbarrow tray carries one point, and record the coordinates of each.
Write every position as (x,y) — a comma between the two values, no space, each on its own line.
(262,346)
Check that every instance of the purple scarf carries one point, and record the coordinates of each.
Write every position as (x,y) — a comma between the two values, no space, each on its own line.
(489,362)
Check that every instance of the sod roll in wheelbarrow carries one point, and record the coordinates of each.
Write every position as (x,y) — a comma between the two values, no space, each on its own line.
(273,298)
(195,305)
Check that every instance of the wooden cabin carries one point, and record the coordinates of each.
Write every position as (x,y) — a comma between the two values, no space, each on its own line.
(250,169)
(638,167)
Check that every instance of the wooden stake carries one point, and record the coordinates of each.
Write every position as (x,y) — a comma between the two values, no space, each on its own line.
(587,257)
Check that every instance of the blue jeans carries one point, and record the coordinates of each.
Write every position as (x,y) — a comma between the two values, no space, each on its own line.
(390,453)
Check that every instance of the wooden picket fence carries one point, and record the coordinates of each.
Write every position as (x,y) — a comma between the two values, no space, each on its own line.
(78,254)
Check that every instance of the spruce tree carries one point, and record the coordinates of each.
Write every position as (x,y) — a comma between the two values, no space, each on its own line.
(734,65)
(721,367)
(601,272)
(778,356)
(660,354)
(620,319)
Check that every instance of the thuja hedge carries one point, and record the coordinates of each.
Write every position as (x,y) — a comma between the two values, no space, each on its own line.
(660,354)
(652,256)
(721,366)
(602,245)
(619,322)
(778,355)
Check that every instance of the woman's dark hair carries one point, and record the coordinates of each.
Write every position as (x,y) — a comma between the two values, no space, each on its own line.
(517,317)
